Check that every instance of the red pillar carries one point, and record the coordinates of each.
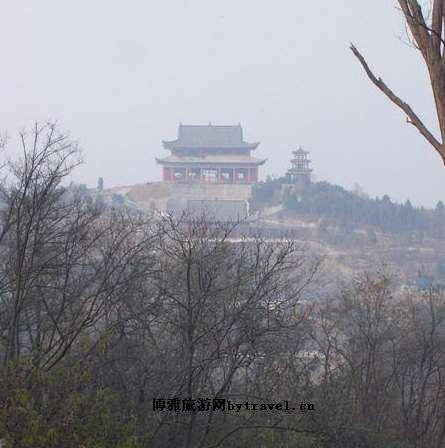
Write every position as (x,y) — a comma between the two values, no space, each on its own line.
(253,174)
(166,174)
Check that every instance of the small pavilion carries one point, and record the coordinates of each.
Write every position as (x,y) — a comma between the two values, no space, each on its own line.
(300,171)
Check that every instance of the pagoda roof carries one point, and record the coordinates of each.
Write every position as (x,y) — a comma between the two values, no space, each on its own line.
(300,151)
(212,159)
(209,136)
(299,170)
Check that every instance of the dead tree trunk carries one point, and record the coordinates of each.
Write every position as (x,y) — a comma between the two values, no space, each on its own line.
(427,35)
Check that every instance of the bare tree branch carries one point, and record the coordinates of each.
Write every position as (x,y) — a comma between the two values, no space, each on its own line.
(413,118)
(427,32)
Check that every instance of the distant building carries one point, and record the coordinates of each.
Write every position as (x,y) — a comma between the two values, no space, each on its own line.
(223,211)
(211,155)
(300,171)
(424,283)
(298,175)
(216,213)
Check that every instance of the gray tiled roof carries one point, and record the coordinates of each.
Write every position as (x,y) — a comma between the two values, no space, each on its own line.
(208,136)
(211,159)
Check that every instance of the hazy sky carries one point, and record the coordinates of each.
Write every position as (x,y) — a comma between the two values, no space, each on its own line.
(121,74)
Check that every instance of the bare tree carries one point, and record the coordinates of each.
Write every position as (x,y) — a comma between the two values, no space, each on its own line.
(215,312)
(419,368)
(64,259)
(427,34)
(384,364)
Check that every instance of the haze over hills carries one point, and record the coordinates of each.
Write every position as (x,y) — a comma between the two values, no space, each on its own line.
(355,231)
(221,287)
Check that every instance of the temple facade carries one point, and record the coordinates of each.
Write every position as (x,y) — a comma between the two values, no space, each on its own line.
(210,155)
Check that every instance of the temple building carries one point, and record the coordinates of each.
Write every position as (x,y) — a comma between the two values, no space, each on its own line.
(298,175)
(300,172)
(210,155)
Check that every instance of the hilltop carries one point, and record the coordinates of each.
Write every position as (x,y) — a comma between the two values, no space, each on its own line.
(356,230)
